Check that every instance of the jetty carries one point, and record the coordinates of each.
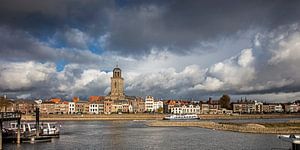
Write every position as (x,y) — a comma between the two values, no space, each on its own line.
(10,116)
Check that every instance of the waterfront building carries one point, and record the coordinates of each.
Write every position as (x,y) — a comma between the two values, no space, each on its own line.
(149,104)
(47,107)
(61,108)
(157,105)
(7,105)
(120,106)
(214,106)
(210,107)
(244,107)
(190,109)
(116,108)
(79,107)
(169,105)
(107,107)
(86,107)
(272,108)
(117,85)
(176,110)
(130,108)
(258,107)
(25,106)
(138,105)
(278,108)
(72,108)
(204,108)
(125,108)
(186,109)
(96,108)
(291,108)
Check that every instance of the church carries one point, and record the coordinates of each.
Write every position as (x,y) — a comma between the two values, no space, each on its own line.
(117,86)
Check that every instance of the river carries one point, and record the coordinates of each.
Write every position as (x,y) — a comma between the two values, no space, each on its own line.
(136,135)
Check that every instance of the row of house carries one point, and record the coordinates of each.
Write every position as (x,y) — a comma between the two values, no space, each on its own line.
(92,107)
(98,105)
(259,107)
(200,107)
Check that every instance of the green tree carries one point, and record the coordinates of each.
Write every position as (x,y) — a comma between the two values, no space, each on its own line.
(225,101)
(160,110)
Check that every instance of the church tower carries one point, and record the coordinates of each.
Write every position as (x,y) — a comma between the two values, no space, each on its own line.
(117,85)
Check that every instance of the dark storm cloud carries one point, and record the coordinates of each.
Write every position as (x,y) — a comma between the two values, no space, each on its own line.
(18,45)
(135,27)
(182,25)
(43,18)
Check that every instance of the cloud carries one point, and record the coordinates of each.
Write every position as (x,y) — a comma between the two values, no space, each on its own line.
(136,27)
(72,38)
(182,26)
(166,49)
(273,97)
(24,96)
(287,49)
(25,75)
(230,74)
(19,46)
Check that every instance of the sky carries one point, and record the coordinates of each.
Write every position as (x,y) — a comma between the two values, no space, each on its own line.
(168,49)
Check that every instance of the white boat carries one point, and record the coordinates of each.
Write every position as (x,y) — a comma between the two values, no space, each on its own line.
(182,117)
(46,128)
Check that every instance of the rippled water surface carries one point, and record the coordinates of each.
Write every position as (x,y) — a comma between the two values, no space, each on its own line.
(136,135)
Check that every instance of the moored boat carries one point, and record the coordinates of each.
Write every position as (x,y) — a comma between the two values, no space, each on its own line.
(182,117)
(29,129)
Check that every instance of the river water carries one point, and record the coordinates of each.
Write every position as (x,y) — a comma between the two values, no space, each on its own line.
(136,135)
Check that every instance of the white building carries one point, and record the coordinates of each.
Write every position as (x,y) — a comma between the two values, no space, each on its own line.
(71,107)
(149,104)
(176,110)
(117,108)
(291,108)
(94,108)
(157,105)
(190,109)
(278,108)
(130,109)
(258,106)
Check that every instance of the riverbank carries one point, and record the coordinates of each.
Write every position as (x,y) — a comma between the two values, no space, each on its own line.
(290,127)
(90,117)
(249,116)
(144,116)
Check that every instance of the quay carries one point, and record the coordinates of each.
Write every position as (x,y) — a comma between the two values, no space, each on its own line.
(10,116)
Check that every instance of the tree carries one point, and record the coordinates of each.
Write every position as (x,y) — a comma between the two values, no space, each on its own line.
(160,110)
(225,101)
